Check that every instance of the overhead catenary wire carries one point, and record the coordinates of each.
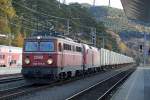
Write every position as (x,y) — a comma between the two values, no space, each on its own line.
(44,14)
(16,24)
(34,11)
(24,27)
(23,19)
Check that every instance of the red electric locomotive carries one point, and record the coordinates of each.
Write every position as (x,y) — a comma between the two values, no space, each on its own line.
(91,58)
(51,57)
(58,57)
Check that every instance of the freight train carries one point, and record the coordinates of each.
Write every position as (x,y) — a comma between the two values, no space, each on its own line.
(10,56)
(61,57)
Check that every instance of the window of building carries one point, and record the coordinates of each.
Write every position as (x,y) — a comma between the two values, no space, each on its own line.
(78,49)
(13,62)
(2,56)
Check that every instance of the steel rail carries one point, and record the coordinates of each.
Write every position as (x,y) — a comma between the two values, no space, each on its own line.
(92,86)
(6,80)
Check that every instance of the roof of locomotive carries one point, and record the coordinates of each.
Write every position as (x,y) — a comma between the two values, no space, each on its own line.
(89,47)
(47,37)
(61,38)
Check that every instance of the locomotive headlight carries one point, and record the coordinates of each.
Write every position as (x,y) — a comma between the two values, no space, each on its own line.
(49,61)
(27,61)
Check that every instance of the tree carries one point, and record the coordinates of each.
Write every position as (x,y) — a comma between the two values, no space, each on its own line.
(19,40)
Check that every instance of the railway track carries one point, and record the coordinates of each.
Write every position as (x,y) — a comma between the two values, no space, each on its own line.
(6,80)
(10,94)
(8,84)
(26,89)
(102,90)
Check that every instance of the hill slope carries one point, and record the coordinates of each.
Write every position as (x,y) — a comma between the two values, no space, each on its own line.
(46,16)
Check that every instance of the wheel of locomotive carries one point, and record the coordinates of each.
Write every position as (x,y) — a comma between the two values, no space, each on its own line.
(60,76)
(77,73)
(90,70)
(52,77)
(85,72)
(69,74)
(64,75)
(95,70)
(99,69)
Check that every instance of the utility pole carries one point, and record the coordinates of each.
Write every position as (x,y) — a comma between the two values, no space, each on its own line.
(144,49)
(103,42)
(35,7)
(93,32)
(109,3)
(93,3)
(68,26)
(64,2)
(59,4)
(10,49)
(9,42)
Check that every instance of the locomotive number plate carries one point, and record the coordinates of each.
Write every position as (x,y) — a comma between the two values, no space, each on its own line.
(38,63)
(38,57)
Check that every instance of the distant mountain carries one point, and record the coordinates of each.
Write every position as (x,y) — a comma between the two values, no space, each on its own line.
(86,5)
(101,12)
(115,19)
(126,35)
(47,16)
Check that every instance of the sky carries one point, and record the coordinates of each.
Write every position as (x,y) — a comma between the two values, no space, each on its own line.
(114,3)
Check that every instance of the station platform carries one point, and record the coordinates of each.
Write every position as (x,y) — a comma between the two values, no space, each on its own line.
(136,87)
(4,71)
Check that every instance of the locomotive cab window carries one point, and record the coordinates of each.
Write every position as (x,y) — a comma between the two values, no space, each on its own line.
(67,47)
(31,46)
(46,46)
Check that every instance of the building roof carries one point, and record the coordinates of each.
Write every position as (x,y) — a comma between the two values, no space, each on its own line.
(137,9)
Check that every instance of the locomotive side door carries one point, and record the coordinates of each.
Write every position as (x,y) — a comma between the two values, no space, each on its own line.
(60,46)
(84,57)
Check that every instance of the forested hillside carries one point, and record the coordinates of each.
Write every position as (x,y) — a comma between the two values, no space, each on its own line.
(116,20)
(8,18)
(23,18)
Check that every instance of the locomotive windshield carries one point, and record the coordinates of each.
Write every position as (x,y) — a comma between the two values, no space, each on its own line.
(39,46)
(46,46)
(31,46)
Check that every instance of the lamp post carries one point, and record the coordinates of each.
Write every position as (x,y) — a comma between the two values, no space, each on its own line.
(9,49)
(109,3)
